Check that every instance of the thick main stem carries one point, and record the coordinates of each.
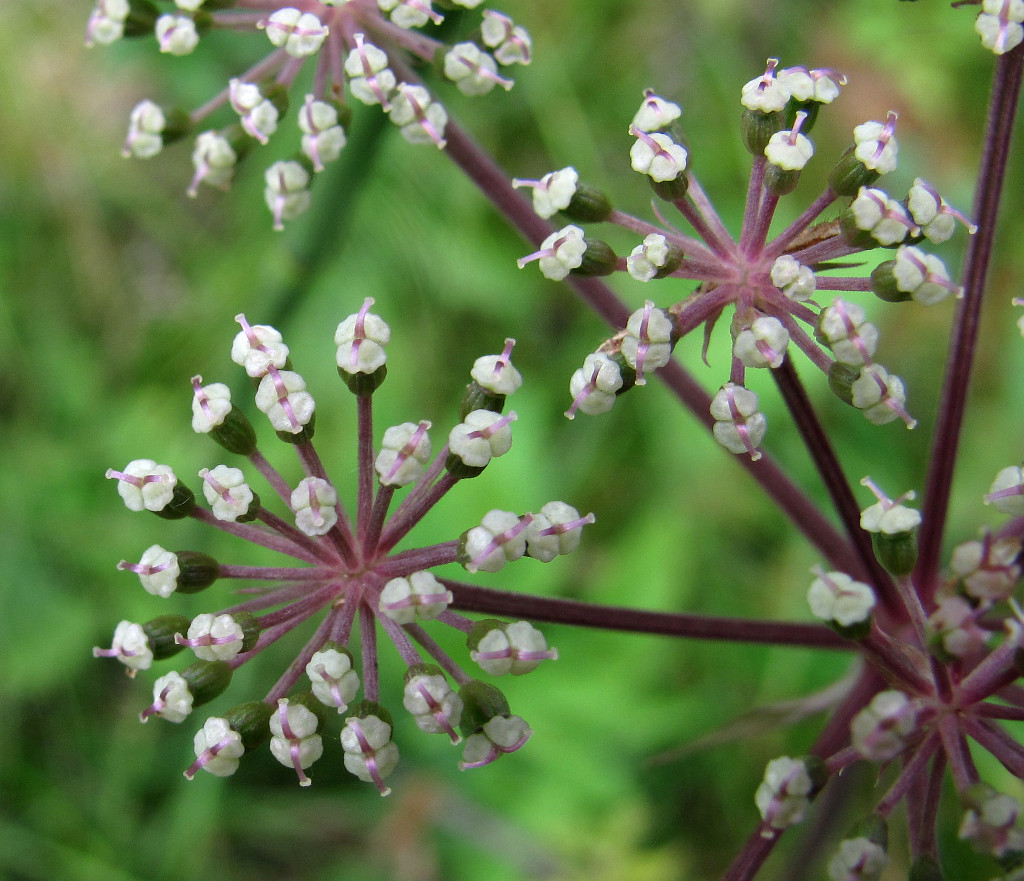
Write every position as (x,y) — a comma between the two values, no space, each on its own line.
(998,134)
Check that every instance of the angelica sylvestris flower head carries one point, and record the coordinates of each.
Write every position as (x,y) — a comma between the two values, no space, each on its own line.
(343,576)
(782,290)
(354,49)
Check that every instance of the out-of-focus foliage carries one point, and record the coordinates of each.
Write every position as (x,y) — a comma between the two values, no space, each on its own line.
(115,289)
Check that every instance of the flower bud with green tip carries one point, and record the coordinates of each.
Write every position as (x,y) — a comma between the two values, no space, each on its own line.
(893,528)
(473,70)
(655,113)
(163,572)
(220,637)
(175,695)
(323,130)
(229,496)
(662,160)
(259,106)
(953,631)
(370,754)
(912,274)
(809,90)
(648,340)
(787,152)
(881,396)
(568,250)
(287,189)
(874,219)
(763,99)
(562,191)
(488,726)
(330,672)
(555,530)
(214,414)
(314,503)
(494,379)
(740,426)
(138,645)
(873,154)
(215,156)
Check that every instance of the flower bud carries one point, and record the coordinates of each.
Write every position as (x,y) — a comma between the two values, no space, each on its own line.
(330,672)
(435,708)
(419,596)
(489,728)
(494,379)
(501,648)
(844,604)
(370,753)
(655,257)
(786,791)
(294,741)
(499,539)
(175,695)
(880,731)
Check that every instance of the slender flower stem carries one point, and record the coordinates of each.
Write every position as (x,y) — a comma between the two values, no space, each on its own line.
(942,460)
(364,407)
(438,654)
(923,812)
(471,598)
(838,487)
(301,549)
(783,240)
(298,665)
(913,771)
(993,738)
(958,754)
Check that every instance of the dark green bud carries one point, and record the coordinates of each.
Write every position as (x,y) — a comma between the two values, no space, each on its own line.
(182,503)
(841,377)
(250,625)
(252,721)
(780,182)
(476,397)
(873,828)
(897,552)
(364,384)
(884,284)
(235,434)
(461,471)
(207,680)
(481,703)
(161,632)
(757,129)
(197,571)
(141,20)
(794,107)
(850,174)
(588,205)
(598,259)
(671,190)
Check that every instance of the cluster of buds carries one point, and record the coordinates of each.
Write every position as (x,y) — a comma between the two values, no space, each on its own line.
(345,570)
(769,282)
(358,46)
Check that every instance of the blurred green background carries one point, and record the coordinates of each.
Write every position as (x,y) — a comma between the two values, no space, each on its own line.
(115,289)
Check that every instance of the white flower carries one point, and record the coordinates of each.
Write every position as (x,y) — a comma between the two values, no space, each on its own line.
(361,339)
(106,23)
(217,734)
(333,680)
(888,518)
(405,449)
(647,344)
(227,492)
(858,859)
(835,596)
(852,339)
(923,276)
(766,93)
(482,435)
(763,343)
(560,253)
(370,753)
(419,117)
(806,85)
(516,648)
(885,219)
(879,732)
(214,161)
(287,191)
(740,426)
(160,571)
(219,637)
(657,156)
(176,34)
(501,734)
(172,697)
(370,78)
(257,348)
(145,131)
(294,740)
(510,42)
(875,146)
(1007,491)
(496,373)
(283,397)
(435,708)
(556,529)
(322,137)
(594,385)
(258,114)
(789,150)
(655,113)
(420,595)
(880,395)
(499,539)
(410,13)
(130,646)
(553,192)
(783,796)
(144,485)
(472,70)
(999,24)
(794,279)
(649,257)
(313,501)
(301,33)
(210,405)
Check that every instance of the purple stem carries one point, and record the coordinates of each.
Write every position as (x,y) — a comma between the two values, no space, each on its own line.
(365,466)
(991,736)
(913,772)
(471,598)
(998,135)
(838,487)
